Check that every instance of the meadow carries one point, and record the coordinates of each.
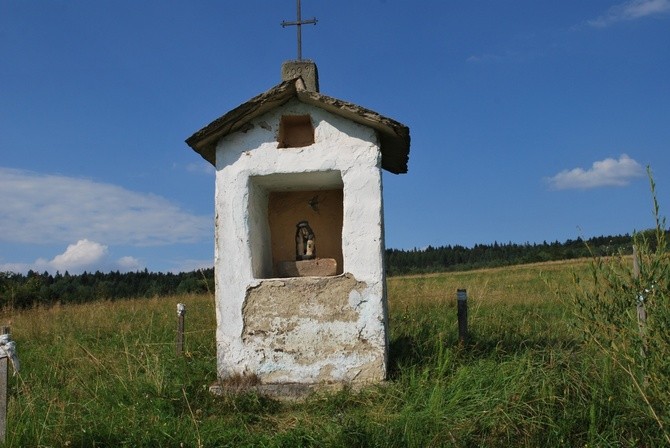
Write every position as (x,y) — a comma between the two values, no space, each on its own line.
(106,374)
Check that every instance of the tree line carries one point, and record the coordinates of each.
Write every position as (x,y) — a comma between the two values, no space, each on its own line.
(455,258)
(34,288)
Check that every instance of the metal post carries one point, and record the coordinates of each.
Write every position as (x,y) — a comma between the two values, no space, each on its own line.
(299,28)
(462,299)
(298,24)
(181,312)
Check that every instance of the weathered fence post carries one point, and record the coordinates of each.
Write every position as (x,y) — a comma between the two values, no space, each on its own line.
(181,312)
(7,355)
(4,361)
(641,310)
(462,300)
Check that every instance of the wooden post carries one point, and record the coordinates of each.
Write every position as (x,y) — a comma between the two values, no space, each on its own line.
(4,361)
(181,312)
(462,300)
(641,310)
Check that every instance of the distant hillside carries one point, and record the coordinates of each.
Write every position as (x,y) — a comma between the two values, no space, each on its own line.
(459,258)
(34,288)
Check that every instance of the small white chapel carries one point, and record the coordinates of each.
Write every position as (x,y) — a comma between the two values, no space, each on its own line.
(299,235)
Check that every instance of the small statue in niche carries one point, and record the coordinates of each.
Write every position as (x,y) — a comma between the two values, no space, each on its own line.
(304,242)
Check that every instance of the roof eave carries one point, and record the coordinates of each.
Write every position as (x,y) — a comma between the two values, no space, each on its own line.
(204,141)
(394,136)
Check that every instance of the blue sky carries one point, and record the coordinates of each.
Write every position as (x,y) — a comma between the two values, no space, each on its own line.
(530,120)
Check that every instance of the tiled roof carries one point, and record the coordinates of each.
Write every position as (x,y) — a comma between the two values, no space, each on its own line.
(394,136)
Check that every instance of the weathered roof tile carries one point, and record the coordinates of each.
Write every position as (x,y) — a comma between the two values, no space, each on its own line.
(394,136)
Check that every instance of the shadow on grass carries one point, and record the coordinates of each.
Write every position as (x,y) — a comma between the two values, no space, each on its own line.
(424,345)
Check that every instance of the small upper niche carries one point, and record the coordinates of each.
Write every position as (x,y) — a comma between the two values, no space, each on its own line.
(295,131)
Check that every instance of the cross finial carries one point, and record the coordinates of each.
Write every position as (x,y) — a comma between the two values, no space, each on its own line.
(298,24)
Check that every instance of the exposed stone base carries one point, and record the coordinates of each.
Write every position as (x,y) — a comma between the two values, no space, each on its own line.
(310,330)
(320,267)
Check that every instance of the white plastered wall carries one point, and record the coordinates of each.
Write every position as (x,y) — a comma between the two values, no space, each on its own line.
(346,155)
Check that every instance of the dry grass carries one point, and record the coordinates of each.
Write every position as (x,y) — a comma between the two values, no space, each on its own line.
(524,284)
(106,374)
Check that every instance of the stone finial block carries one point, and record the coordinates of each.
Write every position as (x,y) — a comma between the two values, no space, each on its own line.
(305,69)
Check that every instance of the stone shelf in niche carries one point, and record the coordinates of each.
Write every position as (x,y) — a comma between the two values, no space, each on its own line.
(319,267)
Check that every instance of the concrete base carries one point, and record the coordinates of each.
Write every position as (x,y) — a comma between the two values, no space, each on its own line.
(295,392)
(283,391)
(320,267)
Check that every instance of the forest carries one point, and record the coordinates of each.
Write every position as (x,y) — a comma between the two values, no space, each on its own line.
(35,289)
(44,289)
(460,258)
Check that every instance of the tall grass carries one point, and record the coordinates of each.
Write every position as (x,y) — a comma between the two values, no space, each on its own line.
(106,374)
(625,313)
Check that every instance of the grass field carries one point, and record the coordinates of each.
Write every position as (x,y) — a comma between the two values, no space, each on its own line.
(106,374)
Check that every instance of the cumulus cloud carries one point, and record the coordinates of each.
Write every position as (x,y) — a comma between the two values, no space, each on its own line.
(128,264)
(84,255)
(631,10)
(45,208)
(604,173)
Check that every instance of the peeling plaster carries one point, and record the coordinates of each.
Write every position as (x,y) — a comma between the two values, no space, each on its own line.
(311,329)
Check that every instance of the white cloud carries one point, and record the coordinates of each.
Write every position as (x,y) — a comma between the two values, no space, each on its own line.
(631,10)
(604,173)
(84,255)
(45,208)
(129,264)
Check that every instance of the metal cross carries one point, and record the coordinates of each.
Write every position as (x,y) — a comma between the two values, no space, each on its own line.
(298,23)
